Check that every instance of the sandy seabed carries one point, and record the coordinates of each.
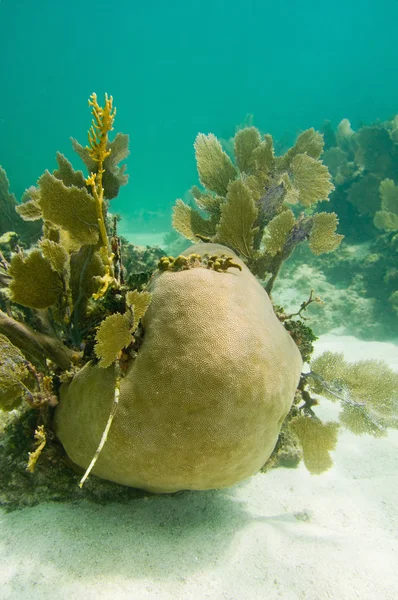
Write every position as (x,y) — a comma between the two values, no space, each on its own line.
(281,535)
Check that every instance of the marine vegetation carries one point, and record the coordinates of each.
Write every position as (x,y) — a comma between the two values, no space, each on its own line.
(247,204)
(64,293)
(10,221)
(364,165)
(367,391)
(181,375)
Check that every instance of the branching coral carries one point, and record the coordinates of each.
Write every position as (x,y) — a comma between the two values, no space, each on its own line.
(114,176)
(102,124)
(40,442)
(247,203)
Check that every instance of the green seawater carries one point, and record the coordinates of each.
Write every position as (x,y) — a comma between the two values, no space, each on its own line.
(182,67)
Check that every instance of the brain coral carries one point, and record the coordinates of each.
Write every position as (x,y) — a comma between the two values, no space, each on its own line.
(202,404)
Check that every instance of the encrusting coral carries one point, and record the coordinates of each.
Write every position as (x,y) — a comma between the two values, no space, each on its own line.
(180,377)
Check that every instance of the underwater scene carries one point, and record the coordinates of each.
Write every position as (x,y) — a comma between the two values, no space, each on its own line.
(199,300)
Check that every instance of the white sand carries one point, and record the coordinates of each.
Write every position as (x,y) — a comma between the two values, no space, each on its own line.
(284,535)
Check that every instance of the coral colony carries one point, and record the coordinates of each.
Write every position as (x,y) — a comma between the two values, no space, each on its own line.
(166,373)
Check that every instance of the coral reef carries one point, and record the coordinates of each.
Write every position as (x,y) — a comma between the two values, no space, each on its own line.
(171,372)
(364,165)
(77,311)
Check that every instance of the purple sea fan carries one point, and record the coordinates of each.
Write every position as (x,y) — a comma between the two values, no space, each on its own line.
(270,203)
(300,232)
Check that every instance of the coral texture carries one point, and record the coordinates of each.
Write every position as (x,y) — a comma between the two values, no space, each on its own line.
(202,404)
